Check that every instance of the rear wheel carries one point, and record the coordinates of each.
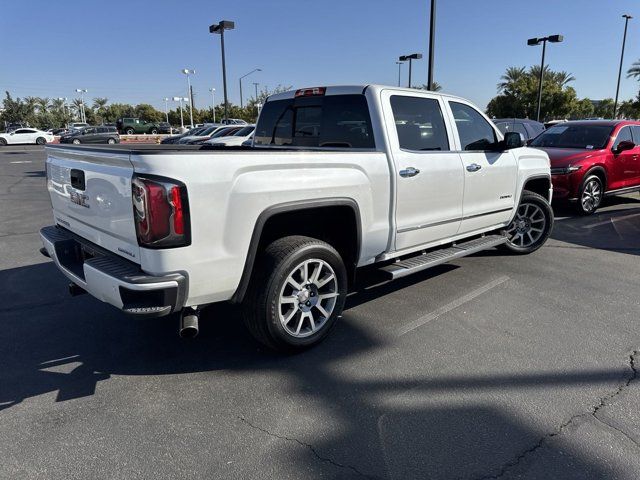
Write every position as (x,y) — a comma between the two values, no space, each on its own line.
(129,131)
(3,142)
(531,226)
(41,141)
(590,196)
(153,131)
(111,141)
(297,293)
(76,141)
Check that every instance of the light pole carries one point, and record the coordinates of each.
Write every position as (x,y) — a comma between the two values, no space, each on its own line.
(399,70)
(213,103)
(166,108)
(188,72)
(219,29)
(181,99)
(624,40)
(255,84)
(413,56)
(82,91)
(246,75)
(537,41)
(432,44)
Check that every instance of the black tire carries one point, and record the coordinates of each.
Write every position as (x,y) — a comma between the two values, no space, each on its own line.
(76,141)
(590,195)
(129,131)
(3,142)
(111,141)
(41,141)
(534,213)
(262,304)
(153,131)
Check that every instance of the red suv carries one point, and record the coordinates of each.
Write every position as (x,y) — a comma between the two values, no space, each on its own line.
(591,159)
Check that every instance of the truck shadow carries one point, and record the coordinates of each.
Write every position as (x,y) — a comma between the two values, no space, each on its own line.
(70,345)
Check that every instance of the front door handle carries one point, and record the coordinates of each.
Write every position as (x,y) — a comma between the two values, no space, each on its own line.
(409,172)
(474,167)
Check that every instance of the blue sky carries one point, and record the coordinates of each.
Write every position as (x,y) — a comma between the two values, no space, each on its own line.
(133,51)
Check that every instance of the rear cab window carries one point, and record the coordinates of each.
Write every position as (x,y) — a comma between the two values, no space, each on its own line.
(338,121)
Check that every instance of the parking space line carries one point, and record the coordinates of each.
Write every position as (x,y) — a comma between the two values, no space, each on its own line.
(612,220)
(451,306)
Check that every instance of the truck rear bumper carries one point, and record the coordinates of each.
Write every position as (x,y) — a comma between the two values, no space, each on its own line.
(111,278)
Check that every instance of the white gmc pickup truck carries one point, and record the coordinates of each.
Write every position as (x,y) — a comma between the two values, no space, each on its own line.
(337,178)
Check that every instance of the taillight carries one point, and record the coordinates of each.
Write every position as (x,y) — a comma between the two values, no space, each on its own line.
(310,92)
(160,211)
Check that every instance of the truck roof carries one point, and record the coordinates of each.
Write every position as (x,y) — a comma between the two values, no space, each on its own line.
(354,90)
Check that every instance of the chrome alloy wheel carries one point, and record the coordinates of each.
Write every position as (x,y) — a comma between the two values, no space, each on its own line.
(591,195)
(528,225)
(307,298)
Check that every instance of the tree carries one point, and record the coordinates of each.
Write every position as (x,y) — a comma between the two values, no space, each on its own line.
(603,108)
(634,71)
(98,105)
(436,87)
(518,94)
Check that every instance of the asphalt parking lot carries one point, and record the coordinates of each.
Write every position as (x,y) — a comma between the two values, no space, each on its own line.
(491,367)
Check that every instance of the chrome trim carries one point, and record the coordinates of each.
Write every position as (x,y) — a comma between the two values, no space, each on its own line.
(459,219)
(618,191)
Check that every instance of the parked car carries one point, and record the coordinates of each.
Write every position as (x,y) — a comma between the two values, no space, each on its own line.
(25,136)
(164,127)
(235,139)
(175,138)
(248,142)
(213,131)
(283,228)
(59,131)
(101,134)
(131,126)
(529,129)
(233,121)
(591,160)
(552,123)
(78,125)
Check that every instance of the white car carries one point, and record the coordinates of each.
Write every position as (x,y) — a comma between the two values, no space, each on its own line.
(236,139)
(25,136)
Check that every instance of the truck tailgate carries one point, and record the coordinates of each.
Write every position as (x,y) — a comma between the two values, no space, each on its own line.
(90,194)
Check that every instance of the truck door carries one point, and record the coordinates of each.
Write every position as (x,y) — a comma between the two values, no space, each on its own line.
(429,173)
(490,176)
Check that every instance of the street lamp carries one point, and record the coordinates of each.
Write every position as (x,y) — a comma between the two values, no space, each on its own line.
(82,91)
(246,75)
(213,103)
(188,72)
(537,41)
(413,56)
(624,40)
(181,99)
(432,42)
(219,29)
(255,84)
(166,108)
(399,70)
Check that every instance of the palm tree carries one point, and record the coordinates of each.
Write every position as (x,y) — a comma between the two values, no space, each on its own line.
(634,71)
(57,104)
(563,78)
(43,104)
(511,77)
(436,87)
(77,106)
(99,104)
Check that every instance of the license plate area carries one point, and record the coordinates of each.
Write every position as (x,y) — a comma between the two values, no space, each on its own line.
(72,254)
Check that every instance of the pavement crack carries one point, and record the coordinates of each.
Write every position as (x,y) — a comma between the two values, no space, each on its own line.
(604,401)
(305,445)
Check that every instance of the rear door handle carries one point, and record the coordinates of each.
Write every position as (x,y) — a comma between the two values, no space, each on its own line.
(409,172)
(474,167)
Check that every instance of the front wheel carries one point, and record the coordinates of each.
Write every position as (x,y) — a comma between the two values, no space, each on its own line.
(296,294)
(531,226)
(76,141)
(153,131)
(3,142)
(111,141)
(590,195)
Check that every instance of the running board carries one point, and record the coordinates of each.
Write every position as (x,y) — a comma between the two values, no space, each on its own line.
(438,257)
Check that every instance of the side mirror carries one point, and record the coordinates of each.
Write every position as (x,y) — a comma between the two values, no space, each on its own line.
(623,146)
(513,140)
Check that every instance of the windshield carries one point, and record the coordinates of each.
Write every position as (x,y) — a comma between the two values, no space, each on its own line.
(243,132)
(223,132)
(588,137)
(194,131)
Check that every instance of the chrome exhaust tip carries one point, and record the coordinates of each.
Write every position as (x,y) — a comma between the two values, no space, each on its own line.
(189,324)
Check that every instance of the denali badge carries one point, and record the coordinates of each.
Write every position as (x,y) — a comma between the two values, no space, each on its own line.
(79,199)
(502,197)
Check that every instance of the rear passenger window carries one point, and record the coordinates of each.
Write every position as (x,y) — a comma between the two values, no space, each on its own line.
(635,131)
(419,123)
(340,121)
(473,129)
